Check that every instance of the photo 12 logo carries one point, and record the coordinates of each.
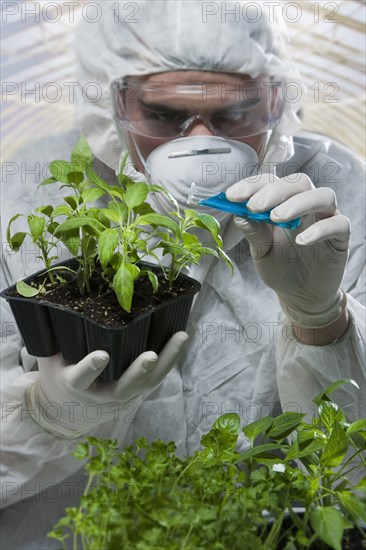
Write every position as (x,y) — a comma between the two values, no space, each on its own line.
(291,12)
(53,12)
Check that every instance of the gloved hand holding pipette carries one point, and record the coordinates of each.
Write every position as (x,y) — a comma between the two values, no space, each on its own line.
(204,197)
(304,266)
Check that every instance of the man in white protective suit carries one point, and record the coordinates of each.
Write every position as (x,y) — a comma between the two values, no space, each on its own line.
(290,319)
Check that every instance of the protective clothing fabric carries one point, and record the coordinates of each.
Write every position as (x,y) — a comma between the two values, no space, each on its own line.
(71,390)
(242,355)
(212,162)
(122,44)
(309,296)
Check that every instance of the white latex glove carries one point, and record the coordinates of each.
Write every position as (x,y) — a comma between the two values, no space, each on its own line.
(303,266)
(69,401)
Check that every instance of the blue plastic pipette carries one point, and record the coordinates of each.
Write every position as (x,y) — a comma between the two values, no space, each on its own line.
(220,202)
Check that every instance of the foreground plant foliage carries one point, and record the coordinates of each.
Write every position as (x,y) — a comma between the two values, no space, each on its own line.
(147,497)
(114,237)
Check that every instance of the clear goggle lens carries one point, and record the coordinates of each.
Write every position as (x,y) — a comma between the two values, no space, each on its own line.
(167,111)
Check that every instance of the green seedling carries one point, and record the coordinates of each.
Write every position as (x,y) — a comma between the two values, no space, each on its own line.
(147,497)
(81,223)
(117,236)
(42,226)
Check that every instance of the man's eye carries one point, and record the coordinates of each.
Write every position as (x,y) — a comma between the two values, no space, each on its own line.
(233,117)
(166,117)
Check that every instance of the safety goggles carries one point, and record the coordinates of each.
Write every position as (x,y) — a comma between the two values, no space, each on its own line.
(238,109)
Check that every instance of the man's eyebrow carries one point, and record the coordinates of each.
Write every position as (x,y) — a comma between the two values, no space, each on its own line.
(160,107)
(242,104)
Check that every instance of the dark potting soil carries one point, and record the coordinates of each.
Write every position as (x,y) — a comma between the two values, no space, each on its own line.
(102,306)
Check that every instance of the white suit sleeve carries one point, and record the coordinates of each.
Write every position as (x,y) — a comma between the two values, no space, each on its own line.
(303,371)
(31,457)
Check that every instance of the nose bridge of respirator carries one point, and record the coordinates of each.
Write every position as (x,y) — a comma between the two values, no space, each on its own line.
(212,162)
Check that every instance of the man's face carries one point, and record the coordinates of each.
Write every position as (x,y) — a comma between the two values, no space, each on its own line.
(225,104)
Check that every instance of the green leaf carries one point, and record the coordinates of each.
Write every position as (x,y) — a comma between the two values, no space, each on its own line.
(115,191)
(260,426)
(153,280)
(329,524)
(357,427)
(120,210)
(205,250)
(157,220)
(310,434)
(60,170)
(89,247)
(331,388)
(92,194)
(48,181)
(188,240)
(336,447)
(72,201)
(36,226)
(212,225)
(26,290)
(229,425)
(143,208)
(52,226)
(107,242)
(82,451)
(226,258)
(361,485)
(305,448)
(123,284)
(99,182)
(122,178)
(330,413)
(142,246)
(352,504)
(46,210)
(135,194)
(62,210)
(111,215)
(71,240)
(177,250)
(75,177)
(103,218)
(285,424)
(82,153)
(8,235)
(261,450)
(16,241)
(94,226)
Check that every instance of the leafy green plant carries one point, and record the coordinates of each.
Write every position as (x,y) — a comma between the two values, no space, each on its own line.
(117,236)
(147,497)
(41,226)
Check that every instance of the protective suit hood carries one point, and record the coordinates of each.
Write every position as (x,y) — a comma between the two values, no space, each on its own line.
(147,37)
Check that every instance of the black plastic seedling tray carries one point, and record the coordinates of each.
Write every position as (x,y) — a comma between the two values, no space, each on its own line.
(47,329)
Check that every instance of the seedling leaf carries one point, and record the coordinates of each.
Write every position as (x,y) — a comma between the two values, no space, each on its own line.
(135,194)
(329,524)
(26,290)
(107,243)
(336,447)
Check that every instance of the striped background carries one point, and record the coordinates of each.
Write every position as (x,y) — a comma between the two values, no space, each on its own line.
(330,53)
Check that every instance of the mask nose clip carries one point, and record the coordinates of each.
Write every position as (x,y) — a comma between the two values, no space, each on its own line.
(187,125)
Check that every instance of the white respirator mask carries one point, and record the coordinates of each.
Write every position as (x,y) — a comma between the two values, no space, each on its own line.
(212,163)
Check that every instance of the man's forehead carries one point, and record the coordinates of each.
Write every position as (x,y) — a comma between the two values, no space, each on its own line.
(197,77)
